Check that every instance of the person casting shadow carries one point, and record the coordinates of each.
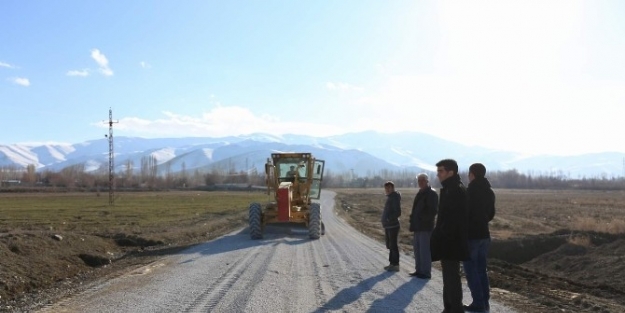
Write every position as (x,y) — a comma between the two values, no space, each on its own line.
(449,242)
(390,222)
(424,209)
(481,207)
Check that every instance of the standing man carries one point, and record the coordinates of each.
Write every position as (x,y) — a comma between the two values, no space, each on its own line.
(481,207)
(390,222)
(449,242)
(424,210)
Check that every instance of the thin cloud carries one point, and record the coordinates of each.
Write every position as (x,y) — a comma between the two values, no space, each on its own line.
(102,61)
(7,65)
(145,65)
(218,122)
(343,87)
(43,143)
(21,81)
(81,73)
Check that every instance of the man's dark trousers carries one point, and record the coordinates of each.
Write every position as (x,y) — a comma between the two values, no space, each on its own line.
(452,286)
(391,245)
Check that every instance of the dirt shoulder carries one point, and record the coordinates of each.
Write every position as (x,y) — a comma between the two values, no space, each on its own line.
(40,267)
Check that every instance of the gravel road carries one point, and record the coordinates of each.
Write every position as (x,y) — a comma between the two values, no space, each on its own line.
(284,272)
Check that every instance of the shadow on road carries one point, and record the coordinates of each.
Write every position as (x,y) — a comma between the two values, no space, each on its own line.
(351,294)
(398,300)
(273,235)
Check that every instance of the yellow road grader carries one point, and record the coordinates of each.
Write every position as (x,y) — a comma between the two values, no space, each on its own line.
(294,179)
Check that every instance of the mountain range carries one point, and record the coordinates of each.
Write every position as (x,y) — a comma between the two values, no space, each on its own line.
(362,154)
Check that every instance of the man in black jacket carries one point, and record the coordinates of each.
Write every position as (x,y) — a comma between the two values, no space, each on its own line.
(390,222)
(424,210)
(449,242)
(481,207)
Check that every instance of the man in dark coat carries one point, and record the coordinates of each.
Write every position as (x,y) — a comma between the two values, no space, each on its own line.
(390,222)
(481,208)
(449,242)
(424,210)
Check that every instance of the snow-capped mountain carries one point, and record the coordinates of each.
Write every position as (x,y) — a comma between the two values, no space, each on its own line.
(364,154)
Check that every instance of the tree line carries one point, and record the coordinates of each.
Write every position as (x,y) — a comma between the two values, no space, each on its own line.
(508,179)
(151,176)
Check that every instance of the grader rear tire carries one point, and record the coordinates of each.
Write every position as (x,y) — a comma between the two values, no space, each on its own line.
(314,222)
(255,216)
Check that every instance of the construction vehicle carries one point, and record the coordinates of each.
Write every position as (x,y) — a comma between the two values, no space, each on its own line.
(294,179)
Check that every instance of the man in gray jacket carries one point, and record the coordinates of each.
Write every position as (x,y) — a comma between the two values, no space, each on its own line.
(424,211)
(390,222)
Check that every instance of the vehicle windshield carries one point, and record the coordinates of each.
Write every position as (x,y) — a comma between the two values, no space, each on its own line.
(291,168)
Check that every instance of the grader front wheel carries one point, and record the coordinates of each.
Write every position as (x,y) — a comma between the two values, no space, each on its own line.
(314,223)
(255,216)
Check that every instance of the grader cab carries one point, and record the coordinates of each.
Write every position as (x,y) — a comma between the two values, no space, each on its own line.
(294,179)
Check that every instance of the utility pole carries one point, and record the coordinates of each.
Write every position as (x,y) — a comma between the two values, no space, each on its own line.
(111,158)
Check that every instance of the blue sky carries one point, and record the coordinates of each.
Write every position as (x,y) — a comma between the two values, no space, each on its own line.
(541,77)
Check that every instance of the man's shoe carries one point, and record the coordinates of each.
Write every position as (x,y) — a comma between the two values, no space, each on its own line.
(393,268)
(473,308)
(423,276)
(414,274)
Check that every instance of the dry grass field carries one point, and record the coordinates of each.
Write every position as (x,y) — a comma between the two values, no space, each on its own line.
(52,243)
(552,251)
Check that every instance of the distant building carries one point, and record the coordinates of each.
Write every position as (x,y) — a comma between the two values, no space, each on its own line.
(11,182)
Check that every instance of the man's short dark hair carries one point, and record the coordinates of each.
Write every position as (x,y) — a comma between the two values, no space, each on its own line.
(478,170)
(448,164)
(389,183)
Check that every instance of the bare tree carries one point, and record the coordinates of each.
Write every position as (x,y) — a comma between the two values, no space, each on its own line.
(30,176)
(148,170)
(168,175)
(129,167)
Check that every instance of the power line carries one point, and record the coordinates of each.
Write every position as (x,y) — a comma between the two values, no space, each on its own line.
(111,158)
